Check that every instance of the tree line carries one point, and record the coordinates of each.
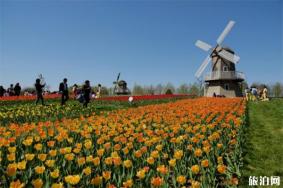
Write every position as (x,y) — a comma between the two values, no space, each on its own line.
(274,89)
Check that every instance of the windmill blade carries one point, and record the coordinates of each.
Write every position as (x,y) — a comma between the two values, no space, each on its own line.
(118,77)
(203,66)
(225,32)
(202,45)
(229,56)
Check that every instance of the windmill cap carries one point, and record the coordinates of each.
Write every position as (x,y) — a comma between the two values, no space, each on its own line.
(228,49)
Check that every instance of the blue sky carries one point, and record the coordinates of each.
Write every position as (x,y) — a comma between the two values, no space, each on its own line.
(149,42)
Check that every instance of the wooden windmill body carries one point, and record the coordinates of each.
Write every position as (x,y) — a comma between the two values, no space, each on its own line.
(223,80)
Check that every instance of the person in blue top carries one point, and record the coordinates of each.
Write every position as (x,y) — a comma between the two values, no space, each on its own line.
(254,93)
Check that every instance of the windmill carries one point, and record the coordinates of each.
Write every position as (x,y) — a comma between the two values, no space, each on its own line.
(223,80)
(120,87)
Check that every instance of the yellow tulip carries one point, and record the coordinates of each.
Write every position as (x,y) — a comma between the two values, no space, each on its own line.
(42,157)
(181,180)
(28,141)
(52,153)
(198,153)
(150,160)
(12,149)
(50,163)
(195,169)
(57,185)
(22,165)
(221,169)
(128,183)
(96,161)
(128,163)
(88,144)
(37,183)
(96,181)
(55,173)
(108,160)
(11,157)
(72,179)
(17,184)
(12,169)
(39,169)
(69,156)
(29,157)
(141,174)
(38,147)
(172,162)
(178,154)
(205,163)
(106,175)
(81,161)
(87,171)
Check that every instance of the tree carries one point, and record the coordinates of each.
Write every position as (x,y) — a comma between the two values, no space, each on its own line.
(244,86)
(183,89)
(28,89)
(194,89)
(169,86)
(277,89)
(148,90)
(158,89)
(256,84)
(110,91)
(168,92)
(138,90)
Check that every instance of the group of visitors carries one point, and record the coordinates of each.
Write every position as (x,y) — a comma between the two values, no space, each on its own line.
(11,91)
(83,94)
(77,91)
(255,93)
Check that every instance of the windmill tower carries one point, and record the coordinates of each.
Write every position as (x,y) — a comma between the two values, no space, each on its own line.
(120,87)
(223,80)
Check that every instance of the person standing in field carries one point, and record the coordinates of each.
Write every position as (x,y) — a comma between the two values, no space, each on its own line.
(63,89)
(17,89)
(254,93)
(2,91)
(98,93)
(247,93)
(264,94)
(39,90)
(75,90)
(11,90)
(86,90)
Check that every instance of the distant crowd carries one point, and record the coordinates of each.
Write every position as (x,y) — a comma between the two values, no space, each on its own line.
(82,94)
(11,91)
(254,94)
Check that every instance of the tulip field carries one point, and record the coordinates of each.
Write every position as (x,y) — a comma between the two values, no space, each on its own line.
(176,143)
(22,109)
